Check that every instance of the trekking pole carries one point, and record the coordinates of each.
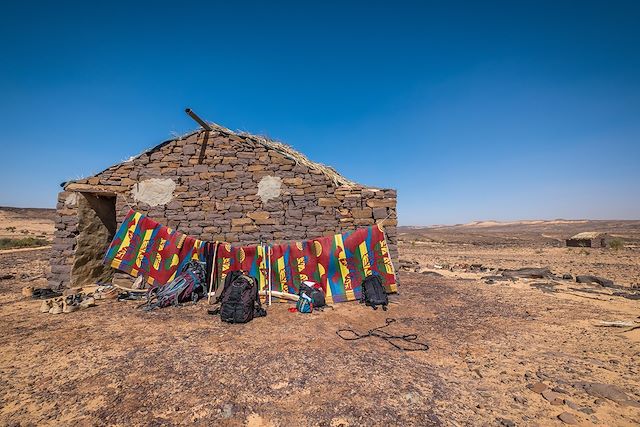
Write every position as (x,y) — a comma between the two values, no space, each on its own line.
(213,272)
(269,273)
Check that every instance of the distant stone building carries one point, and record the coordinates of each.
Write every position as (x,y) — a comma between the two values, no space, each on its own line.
(589,239)
(213,185)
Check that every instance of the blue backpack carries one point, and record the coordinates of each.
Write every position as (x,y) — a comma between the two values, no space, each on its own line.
(304,304)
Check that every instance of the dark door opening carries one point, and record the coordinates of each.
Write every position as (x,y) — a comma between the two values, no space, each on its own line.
(96,228)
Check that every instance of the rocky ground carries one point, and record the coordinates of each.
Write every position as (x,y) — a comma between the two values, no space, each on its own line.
(508,353)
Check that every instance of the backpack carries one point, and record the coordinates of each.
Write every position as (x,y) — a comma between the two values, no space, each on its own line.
(187,286)
(313,291)
(373,293)
(239,299)
(304,304)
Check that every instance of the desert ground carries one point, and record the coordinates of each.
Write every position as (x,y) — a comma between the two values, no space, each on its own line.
(521,352)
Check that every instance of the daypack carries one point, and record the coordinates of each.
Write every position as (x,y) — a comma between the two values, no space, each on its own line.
(239,299)
(304,304)
(373,293)
(313,291)
(187,286)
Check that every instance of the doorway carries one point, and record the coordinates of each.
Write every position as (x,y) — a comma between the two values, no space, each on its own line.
(96,228)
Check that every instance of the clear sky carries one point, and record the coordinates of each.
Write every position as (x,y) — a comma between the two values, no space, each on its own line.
(471,110)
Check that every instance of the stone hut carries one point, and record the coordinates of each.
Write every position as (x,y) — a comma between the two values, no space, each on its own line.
(589,239)
(214,185)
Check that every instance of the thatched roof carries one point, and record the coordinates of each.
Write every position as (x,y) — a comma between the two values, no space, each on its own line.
(288,152)
(588,235)
(285,150)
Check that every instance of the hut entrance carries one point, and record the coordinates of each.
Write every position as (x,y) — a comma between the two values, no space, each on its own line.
(96,228)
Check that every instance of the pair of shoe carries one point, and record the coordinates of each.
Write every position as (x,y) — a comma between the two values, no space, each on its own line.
(69,304)
(52,306)
(106,293)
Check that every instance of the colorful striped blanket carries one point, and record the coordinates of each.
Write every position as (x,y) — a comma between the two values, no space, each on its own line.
(143,246)
(339,263)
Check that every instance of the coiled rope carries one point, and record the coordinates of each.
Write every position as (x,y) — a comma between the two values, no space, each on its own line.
(378,332)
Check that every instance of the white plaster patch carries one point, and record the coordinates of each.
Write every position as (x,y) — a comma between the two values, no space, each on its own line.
(154,191)
(71,200)
(269,188)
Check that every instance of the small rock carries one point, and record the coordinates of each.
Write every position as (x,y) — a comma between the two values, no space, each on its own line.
(568,418)
(280,385)
(538,387)
(571,404)
(552,397)
(489,281)
(521,400)
(6,276)
(567,276)
(587,410)
(227,410)
(559,390)
(506,422)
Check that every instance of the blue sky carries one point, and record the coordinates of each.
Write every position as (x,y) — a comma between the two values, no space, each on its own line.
(472,110)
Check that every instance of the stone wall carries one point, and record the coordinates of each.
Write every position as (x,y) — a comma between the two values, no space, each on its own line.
(243,192)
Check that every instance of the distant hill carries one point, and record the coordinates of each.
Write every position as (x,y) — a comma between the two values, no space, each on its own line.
(29,213)
(552,232)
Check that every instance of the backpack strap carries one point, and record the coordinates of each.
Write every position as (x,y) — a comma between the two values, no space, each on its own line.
(258,311)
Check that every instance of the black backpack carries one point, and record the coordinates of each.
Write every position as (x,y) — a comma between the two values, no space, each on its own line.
(239,300)
(373,293)
(316,295)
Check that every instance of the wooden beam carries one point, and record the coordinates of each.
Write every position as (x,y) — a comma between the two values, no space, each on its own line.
(111,190)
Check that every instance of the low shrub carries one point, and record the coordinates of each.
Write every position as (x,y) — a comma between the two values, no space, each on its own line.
(616,244)
(27,242)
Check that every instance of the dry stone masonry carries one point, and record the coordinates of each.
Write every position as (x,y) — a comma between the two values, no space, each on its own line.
(246,190)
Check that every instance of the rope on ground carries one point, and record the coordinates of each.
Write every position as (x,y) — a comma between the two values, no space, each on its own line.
(378,332)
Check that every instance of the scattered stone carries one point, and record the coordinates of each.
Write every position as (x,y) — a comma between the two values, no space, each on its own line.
(552,397)
(546,287)
(497,278)
(595,279)
(506,422)
(567,276)
(432,274)
(538,387)
(607,391)
(280,385)
(489,281)
(521,400)
(571,404)
(227,410)
(559,390)
(408,265)
(587,410)
(568,418)
(529,273)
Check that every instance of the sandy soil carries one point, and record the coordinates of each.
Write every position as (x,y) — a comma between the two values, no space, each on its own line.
(116,365)
(26,222)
